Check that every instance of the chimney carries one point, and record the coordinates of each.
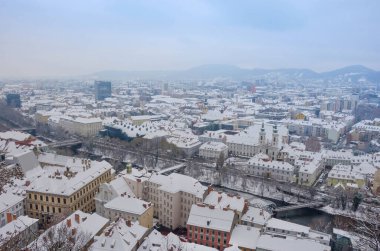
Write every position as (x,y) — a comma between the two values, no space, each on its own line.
(73,231)
(209,189)
(128,222)
(144,205)
(211,207)
(68,223)
(27,183)
(14,217)
(219,198)
(9,217)
(77,218)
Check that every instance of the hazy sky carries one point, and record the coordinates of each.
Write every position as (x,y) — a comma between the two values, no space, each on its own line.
(69,37)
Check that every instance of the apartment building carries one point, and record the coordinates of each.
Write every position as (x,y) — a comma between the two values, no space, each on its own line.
(212,150)
(131,209)
(172,196)
(222,200)
(345,175)
(210,226)
(261,165)
(65,189)
(11,207)
(80,227)
(110,191)
(18,233)
(285,229)
(310,166)
(255,217)
(120,235)
(82,126)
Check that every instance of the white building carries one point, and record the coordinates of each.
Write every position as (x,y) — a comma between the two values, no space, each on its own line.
(222,200)
(80,227)
(288,229)
(309,165)
(212,150)
(120,235)
(111,190)
(158,242)
(255,217)
(19,232)
(261,165)
(245,237)
(259,138)
(11,207)
(131,209)
(82,126)
(272,243)
(171,196)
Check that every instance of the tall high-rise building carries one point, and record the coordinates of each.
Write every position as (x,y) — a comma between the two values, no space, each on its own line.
(102,90)
(13,100)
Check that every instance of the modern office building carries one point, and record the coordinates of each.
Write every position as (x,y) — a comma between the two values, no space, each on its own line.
(102,90)
(13,100)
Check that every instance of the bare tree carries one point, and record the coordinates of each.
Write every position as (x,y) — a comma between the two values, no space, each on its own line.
(61,238)
(320,225)
(220,161)
(312,144)
(14,241)
(367,229)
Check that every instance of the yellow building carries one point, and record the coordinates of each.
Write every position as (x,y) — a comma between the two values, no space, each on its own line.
(344,174)
(129,208)
(376,183)
(63,190)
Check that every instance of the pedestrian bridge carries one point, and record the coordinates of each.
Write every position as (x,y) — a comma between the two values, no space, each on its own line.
(299,206)
(172,169)
(70,142)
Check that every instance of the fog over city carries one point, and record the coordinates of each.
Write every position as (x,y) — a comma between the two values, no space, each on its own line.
(70,38)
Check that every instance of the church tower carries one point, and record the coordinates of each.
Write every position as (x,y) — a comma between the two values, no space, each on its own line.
(275,136)
(262,135)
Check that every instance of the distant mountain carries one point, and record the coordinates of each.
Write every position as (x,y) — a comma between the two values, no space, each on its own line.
(354,72)
(214,71)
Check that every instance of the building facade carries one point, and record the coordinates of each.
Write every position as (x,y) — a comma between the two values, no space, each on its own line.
(131,209)
(210,226)
(66,190)
(103,90)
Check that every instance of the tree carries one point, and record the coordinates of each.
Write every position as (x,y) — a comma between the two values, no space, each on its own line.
(367,229)
(356,201)
(312,144)
(220,161)
(61,238)
(14,241)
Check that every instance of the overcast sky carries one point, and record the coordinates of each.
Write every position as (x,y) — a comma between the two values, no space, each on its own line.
(70,37)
